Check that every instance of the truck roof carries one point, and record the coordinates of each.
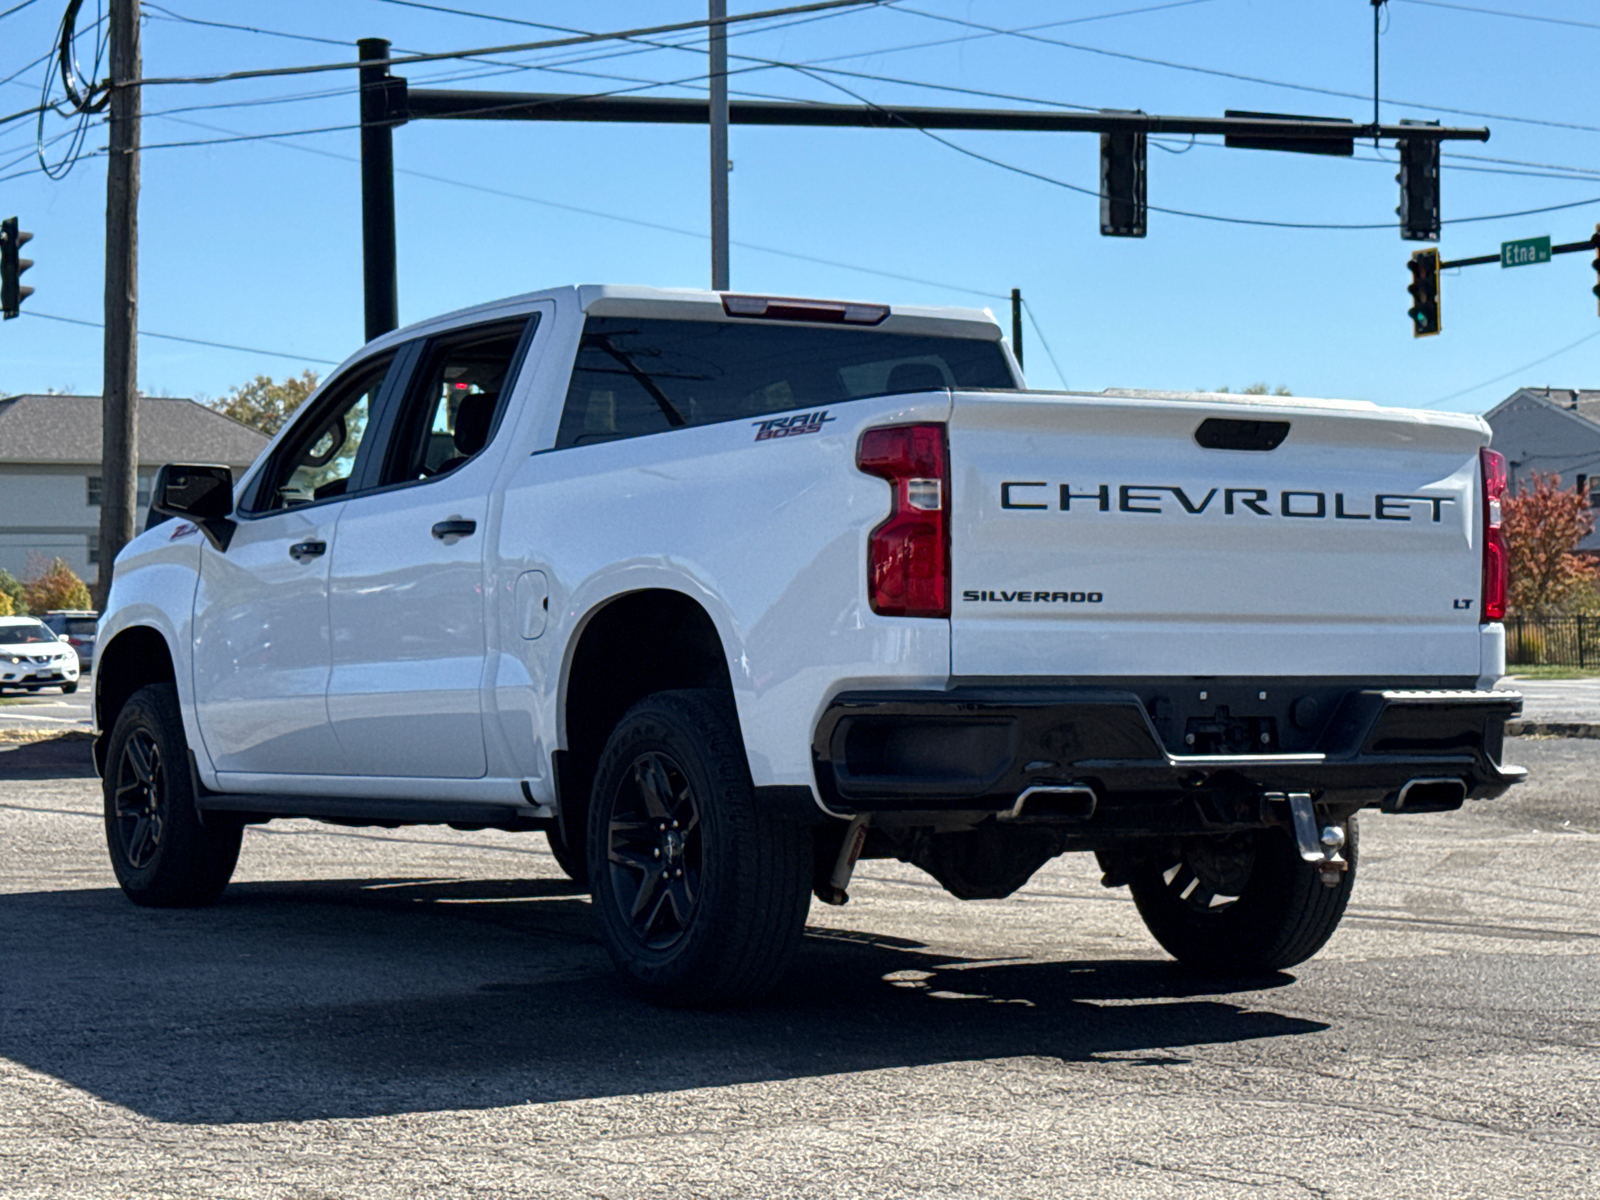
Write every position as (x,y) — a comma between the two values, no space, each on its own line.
(692,304)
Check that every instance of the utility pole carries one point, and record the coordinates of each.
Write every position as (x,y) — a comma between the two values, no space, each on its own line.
(718,37)
(119,447)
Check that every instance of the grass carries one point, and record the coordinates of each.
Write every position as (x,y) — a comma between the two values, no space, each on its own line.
(1531,671)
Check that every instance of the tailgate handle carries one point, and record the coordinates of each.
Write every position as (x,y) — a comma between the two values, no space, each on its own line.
(1227,433)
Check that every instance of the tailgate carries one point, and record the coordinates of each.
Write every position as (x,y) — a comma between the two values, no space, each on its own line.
(1094,535)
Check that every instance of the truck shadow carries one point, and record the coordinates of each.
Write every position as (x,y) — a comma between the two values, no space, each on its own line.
(354,998)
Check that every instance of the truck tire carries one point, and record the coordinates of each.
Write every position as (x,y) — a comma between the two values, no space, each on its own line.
(702,894)
(1246,904)
(164,854)
(572,862)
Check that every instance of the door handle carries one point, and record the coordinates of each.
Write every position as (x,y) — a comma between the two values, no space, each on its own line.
(306,551)
(455,527)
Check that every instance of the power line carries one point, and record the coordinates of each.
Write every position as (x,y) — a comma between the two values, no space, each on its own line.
(1499,12)
(168,15)
(635,221)
(172,337)
(1277,83)
(15,8)
(1515,371)
(1061,376)
(478,52)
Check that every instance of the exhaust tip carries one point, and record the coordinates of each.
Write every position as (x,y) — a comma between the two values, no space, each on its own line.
(1053,802)
(1428,795)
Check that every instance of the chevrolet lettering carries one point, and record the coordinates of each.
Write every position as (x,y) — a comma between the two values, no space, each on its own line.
(1230,501)
(533,567)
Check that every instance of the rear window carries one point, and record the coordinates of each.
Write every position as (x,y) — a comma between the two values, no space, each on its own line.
(78,626)
(636,376)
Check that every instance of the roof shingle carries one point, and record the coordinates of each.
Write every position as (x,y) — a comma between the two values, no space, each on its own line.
(66,429)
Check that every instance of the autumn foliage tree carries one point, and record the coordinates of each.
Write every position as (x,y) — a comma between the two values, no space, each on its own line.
(264,404)
(53,585)
(1544,524)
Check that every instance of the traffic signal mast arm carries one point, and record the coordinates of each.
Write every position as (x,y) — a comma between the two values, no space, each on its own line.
(1592,243)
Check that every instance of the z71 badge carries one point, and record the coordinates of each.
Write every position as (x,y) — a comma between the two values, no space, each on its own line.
(778,427)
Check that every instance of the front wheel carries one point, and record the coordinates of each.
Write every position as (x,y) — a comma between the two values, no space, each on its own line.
(702,894)
(68,688)
(164,854)
(1242,904)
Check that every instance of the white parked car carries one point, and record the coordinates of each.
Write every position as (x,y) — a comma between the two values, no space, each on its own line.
(32,657)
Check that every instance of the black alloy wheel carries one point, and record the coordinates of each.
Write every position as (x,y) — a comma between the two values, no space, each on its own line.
(653,850)
(700,889)
(165,852)
(139,800)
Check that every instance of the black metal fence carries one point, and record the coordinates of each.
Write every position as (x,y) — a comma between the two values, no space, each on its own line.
(1553,641)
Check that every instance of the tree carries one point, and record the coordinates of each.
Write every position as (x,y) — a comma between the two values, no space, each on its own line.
(11,588)
(1543,526)
(5,605)
(53,585)
(1259,389)
(265,405)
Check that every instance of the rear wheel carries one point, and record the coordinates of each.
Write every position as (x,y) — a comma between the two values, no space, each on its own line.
(1242,904)
(702,894)
(68,688)
(164,854)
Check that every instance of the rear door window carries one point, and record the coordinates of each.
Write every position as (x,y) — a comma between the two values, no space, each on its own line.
(637,376)
(456,400)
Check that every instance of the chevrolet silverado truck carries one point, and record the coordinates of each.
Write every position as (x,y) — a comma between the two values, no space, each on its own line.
(723,593)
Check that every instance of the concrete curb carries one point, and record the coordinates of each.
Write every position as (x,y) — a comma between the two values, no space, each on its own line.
(1564,729)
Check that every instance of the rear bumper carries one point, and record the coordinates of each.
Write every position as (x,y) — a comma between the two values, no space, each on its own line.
(979,749)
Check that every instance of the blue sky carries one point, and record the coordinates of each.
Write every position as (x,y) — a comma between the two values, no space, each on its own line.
(257,243)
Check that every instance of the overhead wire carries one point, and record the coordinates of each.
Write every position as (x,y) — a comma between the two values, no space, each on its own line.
(401,60)
(900,6)
(173,337)
(1500,12)
(503,193)
(1515,371)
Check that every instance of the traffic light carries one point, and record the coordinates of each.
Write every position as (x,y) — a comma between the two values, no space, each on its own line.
(1596,244)
(1424,291)
(12,293)
(1419,186)
(1122,186)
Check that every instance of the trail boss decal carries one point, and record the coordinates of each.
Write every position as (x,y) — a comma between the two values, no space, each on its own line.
(778,427)
(1160,499)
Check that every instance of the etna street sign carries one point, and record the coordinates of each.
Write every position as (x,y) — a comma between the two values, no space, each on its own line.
(1525,252)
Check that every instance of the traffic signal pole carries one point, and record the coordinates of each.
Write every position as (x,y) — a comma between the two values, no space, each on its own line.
(377,192)
(718,35)
(119,447)
(387,101)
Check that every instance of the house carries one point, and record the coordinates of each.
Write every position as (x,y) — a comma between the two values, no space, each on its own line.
(1552,431)
(50,472)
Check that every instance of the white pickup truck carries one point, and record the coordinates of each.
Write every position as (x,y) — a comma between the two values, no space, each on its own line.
(724,592)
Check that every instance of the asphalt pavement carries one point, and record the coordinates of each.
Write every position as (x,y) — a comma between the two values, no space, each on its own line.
(425,1013)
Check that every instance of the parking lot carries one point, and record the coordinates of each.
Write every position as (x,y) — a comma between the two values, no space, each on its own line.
(429,1013)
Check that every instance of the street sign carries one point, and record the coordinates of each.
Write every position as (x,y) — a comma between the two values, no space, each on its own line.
(1525,252)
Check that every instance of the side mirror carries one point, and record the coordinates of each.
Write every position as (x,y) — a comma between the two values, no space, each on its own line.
(201,494)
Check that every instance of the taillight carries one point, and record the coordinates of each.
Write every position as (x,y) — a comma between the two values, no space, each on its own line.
(1496,558)
(908,556)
